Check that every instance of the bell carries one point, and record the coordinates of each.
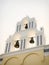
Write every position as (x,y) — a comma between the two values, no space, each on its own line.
(32,40)
(26,26)
(17,44)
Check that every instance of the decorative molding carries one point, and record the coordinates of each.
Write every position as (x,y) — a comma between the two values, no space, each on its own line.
(23,51)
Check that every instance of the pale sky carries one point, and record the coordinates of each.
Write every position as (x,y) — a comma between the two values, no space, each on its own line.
(12,11)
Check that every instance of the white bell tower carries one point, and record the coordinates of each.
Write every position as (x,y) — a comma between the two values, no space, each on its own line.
(26,36)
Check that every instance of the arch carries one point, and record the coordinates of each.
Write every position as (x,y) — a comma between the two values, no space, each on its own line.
(31,54)
(10,59)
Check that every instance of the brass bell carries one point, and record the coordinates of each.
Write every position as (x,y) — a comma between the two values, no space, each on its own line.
(26,26)
(32,40)
(16,44)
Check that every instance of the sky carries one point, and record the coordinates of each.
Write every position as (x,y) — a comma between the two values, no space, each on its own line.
(12,11)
